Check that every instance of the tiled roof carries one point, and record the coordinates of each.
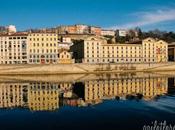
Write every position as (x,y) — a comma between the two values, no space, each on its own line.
(14,34)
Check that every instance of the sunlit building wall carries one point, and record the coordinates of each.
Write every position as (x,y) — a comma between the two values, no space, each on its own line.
(97,50)
(43,48)
(13,49)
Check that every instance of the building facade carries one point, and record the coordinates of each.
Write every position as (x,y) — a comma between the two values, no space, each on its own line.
(79,29)
(82,29)
(121,33)
(108,33)
(155,50)
(43,48)
(13,49)
(95,30)
(65,57)
(11,29)
(97,50)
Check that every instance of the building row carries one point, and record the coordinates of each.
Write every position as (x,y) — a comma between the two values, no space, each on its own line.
(97,50)
(49,48)
(34,48)
(77,29)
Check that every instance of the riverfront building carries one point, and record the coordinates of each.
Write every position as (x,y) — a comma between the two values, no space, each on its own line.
(34,48)
(48,48)
(65,57)
(42,48)
(97,50)
(13,48)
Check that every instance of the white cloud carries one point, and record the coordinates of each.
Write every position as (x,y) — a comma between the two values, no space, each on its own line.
(148,18)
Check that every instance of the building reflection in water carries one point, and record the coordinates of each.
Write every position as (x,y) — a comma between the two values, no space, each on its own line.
(46,96)
(13,94)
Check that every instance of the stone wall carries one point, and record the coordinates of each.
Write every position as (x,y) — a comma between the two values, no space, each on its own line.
(82,68)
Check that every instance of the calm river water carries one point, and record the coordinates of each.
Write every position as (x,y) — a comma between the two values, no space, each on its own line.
(57,102)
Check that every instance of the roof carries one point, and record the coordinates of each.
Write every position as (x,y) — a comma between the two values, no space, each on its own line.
(42,32)
(121,44)
(149,38)
(14,34)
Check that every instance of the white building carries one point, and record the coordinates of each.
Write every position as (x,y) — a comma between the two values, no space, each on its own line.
(82,29)
(108,33)
(13,48)
(11,29)
(122,33)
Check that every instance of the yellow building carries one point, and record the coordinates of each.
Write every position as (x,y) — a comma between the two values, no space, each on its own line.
(155,50)
(101,52)
(13,48)
(97,50)
(65,57)
(43,48)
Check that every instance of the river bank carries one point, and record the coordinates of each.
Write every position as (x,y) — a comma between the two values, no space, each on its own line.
(51,69)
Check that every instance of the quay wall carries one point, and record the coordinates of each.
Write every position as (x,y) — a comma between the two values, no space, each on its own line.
(83,68)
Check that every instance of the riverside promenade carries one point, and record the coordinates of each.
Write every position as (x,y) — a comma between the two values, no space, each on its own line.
(29,69)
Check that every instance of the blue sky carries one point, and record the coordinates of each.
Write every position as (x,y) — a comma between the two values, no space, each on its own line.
(112,14)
